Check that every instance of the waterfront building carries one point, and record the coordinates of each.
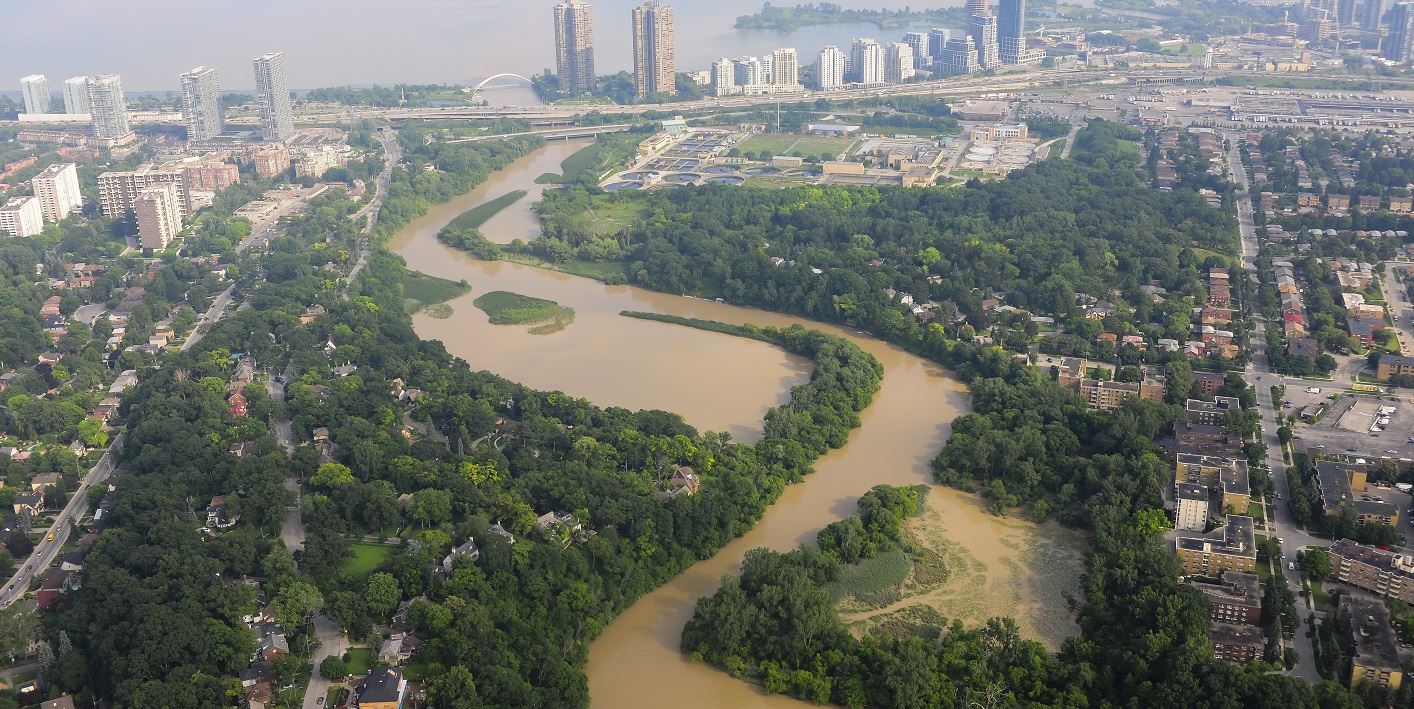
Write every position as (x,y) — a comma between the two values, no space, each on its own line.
(866,61)
(272,83)
(35,89)
(922,49)
(898,63)
(574,45)
(201,103)
(829,68)
(724,77)
(785,67)
(983,30)
(654,50)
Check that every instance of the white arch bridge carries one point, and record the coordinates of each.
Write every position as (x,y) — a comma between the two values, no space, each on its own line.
(477,89)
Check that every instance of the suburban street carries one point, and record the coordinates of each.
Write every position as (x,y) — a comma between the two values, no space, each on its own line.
(213,314)
(1398,306)
(331,642)
(47,550)
(392,152)
(1259,376)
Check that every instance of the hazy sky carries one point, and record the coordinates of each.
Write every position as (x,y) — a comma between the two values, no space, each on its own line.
(335,42)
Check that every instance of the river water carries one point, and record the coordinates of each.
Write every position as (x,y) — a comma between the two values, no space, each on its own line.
(718,383)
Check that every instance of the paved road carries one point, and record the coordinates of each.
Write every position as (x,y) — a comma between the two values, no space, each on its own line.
(331,642)
(213,314)
(88,314)
(261,230)
(1259,375)
(292,530)
(392,151)
(47,549)
(1398,306)
(1070,141)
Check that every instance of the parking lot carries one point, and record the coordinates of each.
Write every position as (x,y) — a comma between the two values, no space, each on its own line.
(1379,426)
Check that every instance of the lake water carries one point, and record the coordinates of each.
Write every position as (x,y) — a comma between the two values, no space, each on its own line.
(362,42)
(718,383)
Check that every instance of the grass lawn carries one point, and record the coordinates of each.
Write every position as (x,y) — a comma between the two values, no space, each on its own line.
(1188,49)
(610,150)
(360,660)
(367,557)
(481,213)
(778,181)
(884,571)
(1257,511)
(1129,146)
(1263,571)
(780,144)
(416,671)
(421,290)
(1057,148)
(1321,599)
(612,213)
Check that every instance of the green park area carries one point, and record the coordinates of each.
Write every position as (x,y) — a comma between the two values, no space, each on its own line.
(506,308)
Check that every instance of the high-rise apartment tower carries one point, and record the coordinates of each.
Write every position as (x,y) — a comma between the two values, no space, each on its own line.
(1401,32)
(574,45)
(829,68)
(57,189)
(76,95)
(35,88)
(654,51)
(201,103)
(107,106)
(277,121)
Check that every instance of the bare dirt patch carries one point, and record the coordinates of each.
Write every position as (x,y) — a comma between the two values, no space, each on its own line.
(971,566)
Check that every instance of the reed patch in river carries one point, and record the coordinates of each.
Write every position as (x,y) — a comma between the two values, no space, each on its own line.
(966,565)
(506,308)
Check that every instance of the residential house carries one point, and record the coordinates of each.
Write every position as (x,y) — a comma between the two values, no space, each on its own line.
(216,515)
(398,648)
(71,561)
(1303,347)
(500,531)
(320,434)
(237,404)
(1369,203)
(43,480)
(384,688)
(64,702)
(1374,652)
(31,503)
(550,519)
(1384,573)
(1231,548)
(467,549)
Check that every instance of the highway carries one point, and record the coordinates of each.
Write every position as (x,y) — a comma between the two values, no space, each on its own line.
(1259,376)
(48,549)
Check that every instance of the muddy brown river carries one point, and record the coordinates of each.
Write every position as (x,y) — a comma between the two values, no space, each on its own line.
(719,383)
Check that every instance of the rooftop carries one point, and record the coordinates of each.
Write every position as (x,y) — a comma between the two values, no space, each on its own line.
(1235,538)
(1385,561)
(1245,635)
(1234,589)
(1371,638)
(1192,491)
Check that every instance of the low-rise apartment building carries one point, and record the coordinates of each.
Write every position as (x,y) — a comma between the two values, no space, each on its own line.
(1190,507)
(1228,475)
(1384,573)
(1238,644)
(1231,548)
(1374,653)
(1394,364)
(1210,413)
(1342,487)
(1236,600)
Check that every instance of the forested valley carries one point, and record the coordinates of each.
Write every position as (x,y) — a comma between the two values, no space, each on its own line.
(158,621)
